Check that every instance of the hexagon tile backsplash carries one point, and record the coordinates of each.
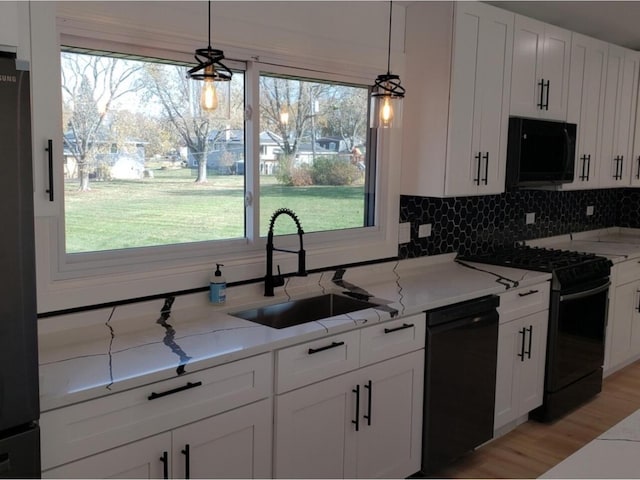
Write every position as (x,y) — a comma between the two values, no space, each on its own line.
(479,224)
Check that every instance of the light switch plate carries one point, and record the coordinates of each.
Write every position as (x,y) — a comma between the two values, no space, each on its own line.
(530,218)
(590,210)
(424,230)
(404,232)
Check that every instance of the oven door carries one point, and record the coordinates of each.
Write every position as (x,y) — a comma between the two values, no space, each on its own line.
(577,324)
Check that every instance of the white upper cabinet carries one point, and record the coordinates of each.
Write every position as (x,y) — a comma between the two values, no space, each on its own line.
(479,104)
(635,156)
(540,79)
(455,127)
(9,26)
(619,117)
(587,77)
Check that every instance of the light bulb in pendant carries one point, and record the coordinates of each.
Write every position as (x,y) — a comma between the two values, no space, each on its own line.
(386,112)
(209,95)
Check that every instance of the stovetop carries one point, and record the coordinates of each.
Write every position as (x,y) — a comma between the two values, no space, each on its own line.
(569,268)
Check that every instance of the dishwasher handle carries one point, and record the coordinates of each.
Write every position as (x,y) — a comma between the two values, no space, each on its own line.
(469,321)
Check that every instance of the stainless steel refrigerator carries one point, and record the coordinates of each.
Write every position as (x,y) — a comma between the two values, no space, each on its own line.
(19,404)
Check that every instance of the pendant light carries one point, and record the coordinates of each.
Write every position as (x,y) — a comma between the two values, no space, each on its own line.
(211,70)
(387,93)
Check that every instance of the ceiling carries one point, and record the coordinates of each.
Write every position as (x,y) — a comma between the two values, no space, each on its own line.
(613,21)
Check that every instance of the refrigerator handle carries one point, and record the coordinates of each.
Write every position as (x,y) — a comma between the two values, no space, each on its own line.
(49,149)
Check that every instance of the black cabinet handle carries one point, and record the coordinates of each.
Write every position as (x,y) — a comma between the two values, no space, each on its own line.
(187,459)
(530,330)
(486,168)
(521,354)
(526,294)
(638,306)
(165,464)
(546,105)
(49,149)
(189,385)
(585,175)
(638,174)
(477,158)
(356,422)
(621,165)
(588,166)
(541,102)
(322,349)
(404,326)
(368,415)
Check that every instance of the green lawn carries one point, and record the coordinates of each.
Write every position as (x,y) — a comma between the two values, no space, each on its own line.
(170,208)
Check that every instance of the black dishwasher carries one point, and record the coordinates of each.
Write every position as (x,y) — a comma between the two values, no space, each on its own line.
(460,380)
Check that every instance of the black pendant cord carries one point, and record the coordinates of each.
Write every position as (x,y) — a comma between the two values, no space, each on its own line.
(389,43)
(209,24)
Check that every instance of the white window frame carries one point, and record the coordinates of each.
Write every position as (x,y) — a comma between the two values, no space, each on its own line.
(73,280)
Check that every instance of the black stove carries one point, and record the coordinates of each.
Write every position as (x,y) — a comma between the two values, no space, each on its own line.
(568,268)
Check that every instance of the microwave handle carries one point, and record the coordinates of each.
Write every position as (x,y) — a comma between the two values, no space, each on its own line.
(567,149)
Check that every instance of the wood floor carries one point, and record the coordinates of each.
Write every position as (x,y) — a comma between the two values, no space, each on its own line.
(533,448)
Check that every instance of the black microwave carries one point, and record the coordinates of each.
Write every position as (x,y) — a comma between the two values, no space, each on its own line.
(540,152)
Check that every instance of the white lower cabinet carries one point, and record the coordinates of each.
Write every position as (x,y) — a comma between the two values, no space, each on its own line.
(522,351)
(142,459)
(230,445)
(624,317)
(362,424)
(520,374)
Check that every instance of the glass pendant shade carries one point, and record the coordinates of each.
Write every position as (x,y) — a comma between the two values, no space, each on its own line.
(386,102)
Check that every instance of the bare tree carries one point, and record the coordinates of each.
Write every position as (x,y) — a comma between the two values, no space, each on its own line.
(297,99)
(90,86)
(346,115)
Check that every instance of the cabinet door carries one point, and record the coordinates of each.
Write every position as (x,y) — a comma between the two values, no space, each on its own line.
(142,459)
(478,119)
(8,25)
(314,433)
(587,79)
(618,125)
(528,47)
(531,378)
(235,444)
(540,54)
(555,71)
(390,436)
(510,338)
(626,297)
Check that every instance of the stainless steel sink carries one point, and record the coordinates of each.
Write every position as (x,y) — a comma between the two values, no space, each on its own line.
(295,312)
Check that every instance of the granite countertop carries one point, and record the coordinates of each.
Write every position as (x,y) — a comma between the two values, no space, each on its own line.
(91,354)
(617,244)
(614,454)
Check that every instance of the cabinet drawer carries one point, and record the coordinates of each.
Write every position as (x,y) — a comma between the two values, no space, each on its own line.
(80,430)
(313,361)
(627,272)
(523,301)
(391,339)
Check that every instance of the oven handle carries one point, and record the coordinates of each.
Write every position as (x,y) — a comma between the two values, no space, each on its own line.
(593,291)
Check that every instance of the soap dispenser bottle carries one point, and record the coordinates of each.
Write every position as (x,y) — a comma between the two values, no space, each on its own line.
(217,287)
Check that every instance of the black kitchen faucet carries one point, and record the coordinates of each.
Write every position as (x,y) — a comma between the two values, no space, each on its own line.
(269,280)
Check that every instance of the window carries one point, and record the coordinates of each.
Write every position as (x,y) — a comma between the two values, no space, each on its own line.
(316,157)
(144,165)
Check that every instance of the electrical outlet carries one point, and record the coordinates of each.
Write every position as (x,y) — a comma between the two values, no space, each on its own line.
(530,218)
(590,210)
(424,230)
(404,232)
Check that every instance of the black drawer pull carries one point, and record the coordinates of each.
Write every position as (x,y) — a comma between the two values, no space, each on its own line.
(49,149)
(404,326)
(356,422)
(189,385)
(530,330)
(327,347)
(165,464)
(368,386)
(530,292)
(478,159)
(521,354)
(186,453)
